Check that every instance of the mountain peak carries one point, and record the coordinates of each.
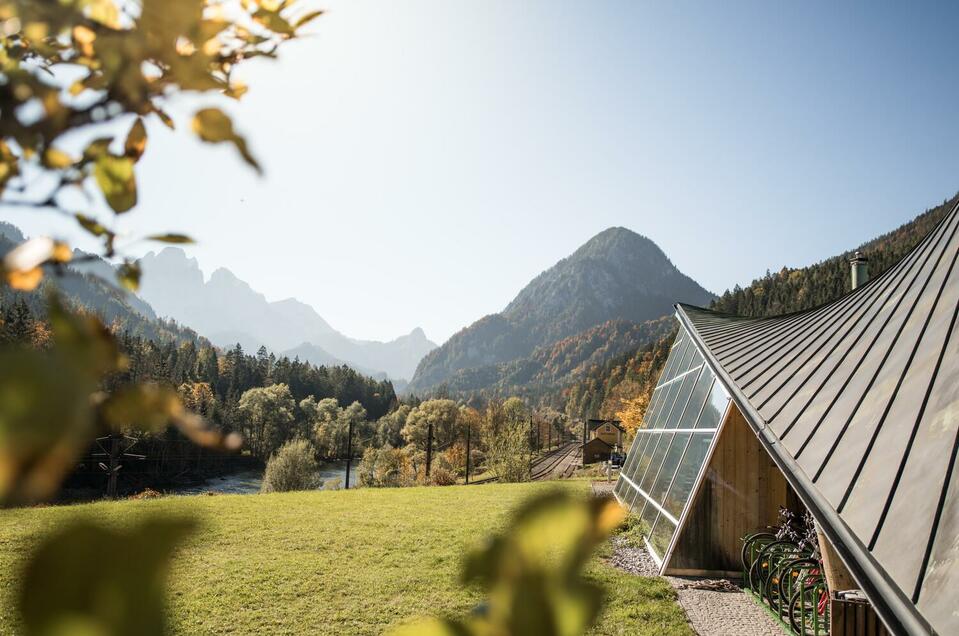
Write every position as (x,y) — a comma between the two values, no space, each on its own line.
(615,242)
(616,275)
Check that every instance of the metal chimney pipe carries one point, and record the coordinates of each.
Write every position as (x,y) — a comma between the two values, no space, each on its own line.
(860,270)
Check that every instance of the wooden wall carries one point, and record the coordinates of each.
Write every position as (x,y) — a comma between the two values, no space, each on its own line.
(742,492)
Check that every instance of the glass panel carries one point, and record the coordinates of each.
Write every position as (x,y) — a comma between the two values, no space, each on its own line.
(676,354)
(666,473)
(681,400)
(656,460)
(695,405)
(637,502)
(687,359)
(646,458)
(620,485)
(631,455)
(689,468)
(715,407)
(662,534)
(639,446)
(649,517)
(668,401)
(656,405)
(695,359)
(674,362)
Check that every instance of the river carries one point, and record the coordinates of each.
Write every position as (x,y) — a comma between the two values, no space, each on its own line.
(249,481)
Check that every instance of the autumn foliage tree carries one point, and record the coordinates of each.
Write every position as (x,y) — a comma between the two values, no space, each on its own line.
(78,81)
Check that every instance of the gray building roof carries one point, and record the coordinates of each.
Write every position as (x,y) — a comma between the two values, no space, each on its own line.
(858,402)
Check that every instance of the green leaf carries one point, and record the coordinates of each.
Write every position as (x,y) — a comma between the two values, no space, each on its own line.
(129,275)
(171,238)
(136,141)
(97,148)
(85,578)
(117,181)
(213,126)
(91,225)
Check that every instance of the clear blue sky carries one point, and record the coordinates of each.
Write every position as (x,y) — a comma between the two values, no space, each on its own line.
(426,159)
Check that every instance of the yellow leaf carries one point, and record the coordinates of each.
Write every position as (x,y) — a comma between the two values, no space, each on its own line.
(83,34)
(61,253)
(105,12)
(136,140)
(57,159)
(213,126)
(115,177)
(309,17)
(25,281)
(236,90)
(29,254)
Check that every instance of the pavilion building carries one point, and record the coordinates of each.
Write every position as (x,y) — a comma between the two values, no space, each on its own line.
(849,411)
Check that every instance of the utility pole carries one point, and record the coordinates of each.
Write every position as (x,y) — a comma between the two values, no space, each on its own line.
(429,449)
(549,437)
(468,428)
(114,465)
(349,453)
(530,440)
(120,444)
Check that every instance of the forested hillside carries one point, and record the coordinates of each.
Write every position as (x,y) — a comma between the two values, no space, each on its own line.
(623,385)
(618,275)
(558,364)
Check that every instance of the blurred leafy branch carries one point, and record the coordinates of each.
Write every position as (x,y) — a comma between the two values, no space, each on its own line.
(78,80)
(92,67)
(533,572)
(97,68)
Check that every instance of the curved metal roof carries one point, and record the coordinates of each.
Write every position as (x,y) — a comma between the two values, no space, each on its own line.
(858,400)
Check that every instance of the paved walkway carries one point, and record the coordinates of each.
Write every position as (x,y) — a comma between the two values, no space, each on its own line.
(721,610)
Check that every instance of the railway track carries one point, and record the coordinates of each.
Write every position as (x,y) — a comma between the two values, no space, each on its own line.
(559,461)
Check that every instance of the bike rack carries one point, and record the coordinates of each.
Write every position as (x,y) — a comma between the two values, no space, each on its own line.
(789,580)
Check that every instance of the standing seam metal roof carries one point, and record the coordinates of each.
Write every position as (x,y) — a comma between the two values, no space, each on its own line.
(859,401)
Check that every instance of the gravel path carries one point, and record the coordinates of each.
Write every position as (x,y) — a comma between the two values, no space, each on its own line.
(722,610)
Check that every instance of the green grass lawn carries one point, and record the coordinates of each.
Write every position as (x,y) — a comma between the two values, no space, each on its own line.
(341,562)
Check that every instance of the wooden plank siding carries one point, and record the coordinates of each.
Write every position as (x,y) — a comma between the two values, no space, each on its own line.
(741,492)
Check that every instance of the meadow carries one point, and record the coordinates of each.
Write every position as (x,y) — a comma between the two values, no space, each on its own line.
(330,562)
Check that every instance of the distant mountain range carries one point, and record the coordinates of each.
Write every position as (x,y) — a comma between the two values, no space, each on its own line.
(228,311)
(618,280)
(91,283)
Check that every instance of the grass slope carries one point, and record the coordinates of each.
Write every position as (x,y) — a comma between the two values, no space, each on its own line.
(345,562)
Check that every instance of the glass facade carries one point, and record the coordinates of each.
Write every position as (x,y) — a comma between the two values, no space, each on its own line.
(670,447)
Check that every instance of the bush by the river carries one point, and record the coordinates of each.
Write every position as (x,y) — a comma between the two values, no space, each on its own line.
(292,467)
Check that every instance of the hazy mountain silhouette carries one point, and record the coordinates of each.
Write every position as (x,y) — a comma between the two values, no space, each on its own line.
(227,310)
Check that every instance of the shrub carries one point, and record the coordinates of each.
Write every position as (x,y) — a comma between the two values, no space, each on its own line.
(507,456)
(632,530)
(442,476)
(386,467)
(334,483)
(292,467)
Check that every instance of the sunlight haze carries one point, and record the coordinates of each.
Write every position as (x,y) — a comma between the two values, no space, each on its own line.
(425,160)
